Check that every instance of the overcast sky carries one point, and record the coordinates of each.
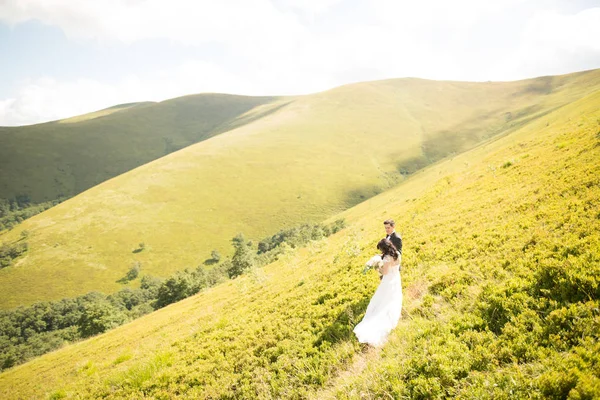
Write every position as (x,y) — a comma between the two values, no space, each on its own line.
(60,58)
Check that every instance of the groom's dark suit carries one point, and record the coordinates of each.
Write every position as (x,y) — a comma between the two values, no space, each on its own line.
(396,240)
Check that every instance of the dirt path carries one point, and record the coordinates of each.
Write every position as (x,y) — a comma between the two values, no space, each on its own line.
(359,363)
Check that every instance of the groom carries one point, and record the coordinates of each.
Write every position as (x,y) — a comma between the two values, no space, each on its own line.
(390,230)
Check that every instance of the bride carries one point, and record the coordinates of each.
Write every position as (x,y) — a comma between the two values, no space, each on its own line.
(383,311)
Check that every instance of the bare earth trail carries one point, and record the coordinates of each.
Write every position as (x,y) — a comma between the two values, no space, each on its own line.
(341,380)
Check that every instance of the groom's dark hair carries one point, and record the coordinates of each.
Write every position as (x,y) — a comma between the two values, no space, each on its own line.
(389,222)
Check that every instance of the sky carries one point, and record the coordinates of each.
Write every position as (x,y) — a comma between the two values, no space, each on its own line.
(61,58)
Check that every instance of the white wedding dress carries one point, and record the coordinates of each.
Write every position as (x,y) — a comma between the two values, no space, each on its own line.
(383,311)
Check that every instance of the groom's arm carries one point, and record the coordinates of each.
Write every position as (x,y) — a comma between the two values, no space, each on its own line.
(397,240)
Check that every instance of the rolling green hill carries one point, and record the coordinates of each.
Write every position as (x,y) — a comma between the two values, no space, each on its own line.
(62,158)
(298,160)
(501,295)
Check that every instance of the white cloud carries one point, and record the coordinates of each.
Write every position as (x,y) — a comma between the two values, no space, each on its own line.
(555,44)
(551,30)
(309,8)
(189,22)
(48,99)
(302,46)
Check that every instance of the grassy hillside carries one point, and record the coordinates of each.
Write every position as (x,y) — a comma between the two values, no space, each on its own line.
(311,158)
(47,161)
(501,295)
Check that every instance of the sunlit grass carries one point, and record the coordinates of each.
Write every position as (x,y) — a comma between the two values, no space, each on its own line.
(472,230)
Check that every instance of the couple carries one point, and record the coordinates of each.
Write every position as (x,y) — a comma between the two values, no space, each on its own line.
(383,311)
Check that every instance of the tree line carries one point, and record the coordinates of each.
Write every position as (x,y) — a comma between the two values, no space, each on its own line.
(28,332)
(16,210)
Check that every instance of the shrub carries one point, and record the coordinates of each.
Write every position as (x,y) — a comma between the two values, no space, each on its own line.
(8,253)
(98,317)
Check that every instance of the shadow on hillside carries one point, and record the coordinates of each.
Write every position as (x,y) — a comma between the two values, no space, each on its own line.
(123,280)
(469,134)
(541,85)
(245,119)
(341,329)
(358,195)
(463,137)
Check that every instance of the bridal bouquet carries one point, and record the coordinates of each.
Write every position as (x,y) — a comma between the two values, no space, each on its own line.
(374,263)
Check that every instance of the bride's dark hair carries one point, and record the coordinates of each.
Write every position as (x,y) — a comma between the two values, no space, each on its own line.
(387,248)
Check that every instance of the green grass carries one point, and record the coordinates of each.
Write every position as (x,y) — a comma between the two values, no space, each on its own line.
(290,161)
(63,158)
(501,291)
(504,264)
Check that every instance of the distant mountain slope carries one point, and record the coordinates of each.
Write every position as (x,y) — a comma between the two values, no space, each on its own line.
(63,158)
(501,294)
(299,160)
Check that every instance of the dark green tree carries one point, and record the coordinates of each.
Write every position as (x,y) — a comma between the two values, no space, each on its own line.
(181,285)
(243,256)
(134,271)
(98,317)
